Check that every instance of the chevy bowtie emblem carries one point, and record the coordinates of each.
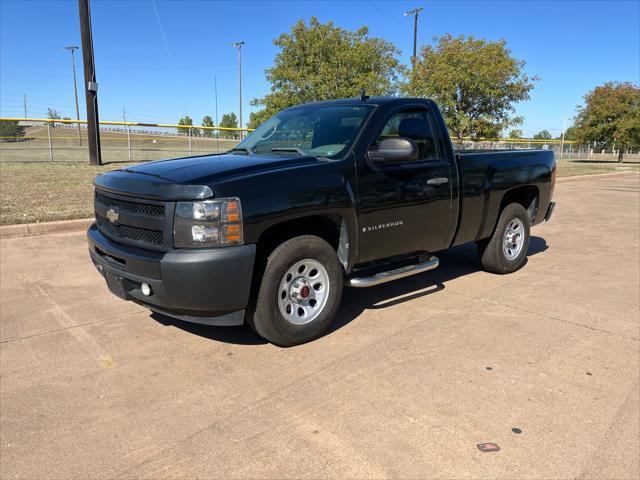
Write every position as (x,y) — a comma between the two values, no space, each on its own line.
(113,215)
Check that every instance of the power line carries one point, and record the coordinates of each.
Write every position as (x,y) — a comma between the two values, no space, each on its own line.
(166,47)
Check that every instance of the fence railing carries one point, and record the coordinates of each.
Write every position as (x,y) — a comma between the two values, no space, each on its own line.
(44,139)
(60,140)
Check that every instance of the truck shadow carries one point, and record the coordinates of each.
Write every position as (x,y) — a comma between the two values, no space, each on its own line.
(454,263)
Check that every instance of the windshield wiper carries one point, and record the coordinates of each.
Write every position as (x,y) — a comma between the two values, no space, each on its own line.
(297,150)
(247,150)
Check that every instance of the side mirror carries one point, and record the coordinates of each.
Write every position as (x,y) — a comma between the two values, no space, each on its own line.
(392,150)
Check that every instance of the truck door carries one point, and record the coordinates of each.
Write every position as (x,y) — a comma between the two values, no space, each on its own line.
(405,207)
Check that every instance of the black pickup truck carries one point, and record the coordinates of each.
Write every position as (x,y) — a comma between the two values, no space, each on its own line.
(353,192)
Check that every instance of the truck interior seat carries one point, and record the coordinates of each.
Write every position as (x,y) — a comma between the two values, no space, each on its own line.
(331,133)
(418,130)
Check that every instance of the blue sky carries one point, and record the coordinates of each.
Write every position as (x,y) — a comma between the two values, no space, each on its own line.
(572,46)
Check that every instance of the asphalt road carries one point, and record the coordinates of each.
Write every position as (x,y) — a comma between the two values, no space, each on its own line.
(544,362)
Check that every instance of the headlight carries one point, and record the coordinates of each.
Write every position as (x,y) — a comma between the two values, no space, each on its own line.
(208,223)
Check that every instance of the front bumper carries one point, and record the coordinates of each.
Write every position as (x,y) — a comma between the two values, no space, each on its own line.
(209,286)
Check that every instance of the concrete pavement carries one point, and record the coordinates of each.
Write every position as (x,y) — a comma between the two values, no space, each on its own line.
(413,375)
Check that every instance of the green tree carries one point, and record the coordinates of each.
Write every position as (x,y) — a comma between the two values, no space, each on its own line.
(186,120)
(52,114)
(475,83)
(229,120)
(515,133)
(571,134)
(207,121)
(11,131)
(611,115)
(543,135)
(320,61)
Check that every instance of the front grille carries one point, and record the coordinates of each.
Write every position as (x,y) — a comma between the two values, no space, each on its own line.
(135,207)
(138,222)
(154,237)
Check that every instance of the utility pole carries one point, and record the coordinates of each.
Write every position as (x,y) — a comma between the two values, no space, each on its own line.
(72,49)
(91,85)
(239,45)
(215,93)
(124,115)
(216,133)
(25,106)
(415,12)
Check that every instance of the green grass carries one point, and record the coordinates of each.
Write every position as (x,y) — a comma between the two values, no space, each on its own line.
(571,168)
(41,192)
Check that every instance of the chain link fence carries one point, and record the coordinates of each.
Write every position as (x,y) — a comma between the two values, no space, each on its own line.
(44,140)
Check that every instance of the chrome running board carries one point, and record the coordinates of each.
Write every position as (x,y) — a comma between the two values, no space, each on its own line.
(383,277)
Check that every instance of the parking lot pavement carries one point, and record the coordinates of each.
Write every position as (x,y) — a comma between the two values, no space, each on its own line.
(543,362)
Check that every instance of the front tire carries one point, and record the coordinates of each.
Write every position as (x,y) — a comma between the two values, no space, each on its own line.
(300,292)
(506,250)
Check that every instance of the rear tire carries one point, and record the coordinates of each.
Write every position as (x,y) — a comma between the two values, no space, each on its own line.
(300,292)
(506,250)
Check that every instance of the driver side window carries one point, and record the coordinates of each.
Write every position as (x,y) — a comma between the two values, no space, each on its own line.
(415,125)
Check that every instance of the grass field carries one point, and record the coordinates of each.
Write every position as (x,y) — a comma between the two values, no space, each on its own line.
(145,146)
(41,192)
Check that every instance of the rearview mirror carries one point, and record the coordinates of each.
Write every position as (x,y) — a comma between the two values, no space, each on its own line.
(393,150)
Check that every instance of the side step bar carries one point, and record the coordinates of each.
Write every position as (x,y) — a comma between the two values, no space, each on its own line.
(383,277)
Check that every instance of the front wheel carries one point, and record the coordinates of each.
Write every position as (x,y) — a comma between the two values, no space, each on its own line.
(506,250)
(300,292)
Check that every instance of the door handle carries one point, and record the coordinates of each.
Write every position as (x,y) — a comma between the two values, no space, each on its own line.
(437,181)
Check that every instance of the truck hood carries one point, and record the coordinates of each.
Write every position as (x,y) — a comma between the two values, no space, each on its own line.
(189,178)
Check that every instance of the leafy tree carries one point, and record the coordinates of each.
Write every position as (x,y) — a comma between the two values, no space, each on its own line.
(229,120)
(207,121)
(515,133)
(320,61)
(570,134)
(186,120)
(475,82)
(611,115)
(11,131)
(52,114)
(543,135)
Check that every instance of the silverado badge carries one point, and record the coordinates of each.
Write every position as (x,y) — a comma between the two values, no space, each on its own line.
(113,215)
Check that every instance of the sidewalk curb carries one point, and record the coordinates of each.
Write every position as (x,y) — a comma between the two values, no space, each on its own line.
(44,228)
(576,178)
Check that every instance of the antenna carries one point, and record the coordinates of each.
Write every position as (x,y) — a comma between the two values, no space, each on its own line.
(363,95)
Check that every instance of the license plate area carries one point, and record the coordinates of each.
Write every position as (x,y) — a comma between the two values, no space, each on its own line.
(117,285)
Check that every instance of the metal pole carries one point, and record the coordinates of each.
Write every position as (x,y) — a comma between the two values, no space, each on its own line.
(25,106)
(216,132)
(239,45)
(91,85)
(50,146)
(415,12)
(190,140)
(129,140)
(564,127)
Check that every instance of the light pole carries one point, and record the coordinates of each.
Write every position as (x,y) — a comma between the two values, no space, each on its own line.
(72,49)
(564,128)
(415,12)
(239,45)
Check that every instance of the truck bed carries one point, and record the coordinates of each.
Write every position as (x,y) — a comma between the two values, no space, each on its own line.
(485,176)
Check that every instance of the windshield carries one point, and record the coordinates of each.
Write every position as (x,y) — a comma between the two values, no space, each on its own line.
(318,130)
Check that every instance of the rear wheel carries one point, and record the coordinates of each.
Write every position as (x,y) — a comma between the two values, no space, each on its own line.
(506,250)
(300,292)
